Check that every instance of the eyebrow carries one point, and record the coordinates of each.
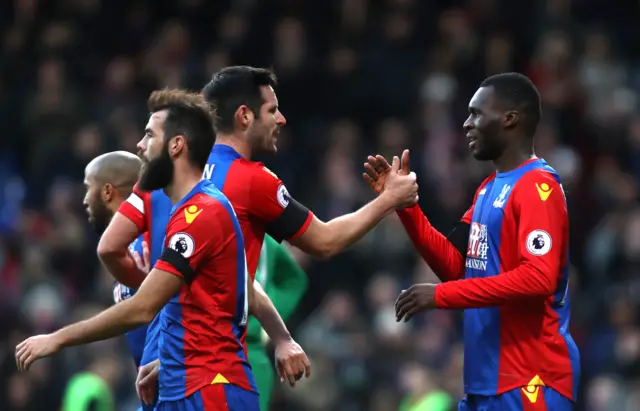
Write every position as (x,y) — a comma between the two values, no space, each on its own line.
(148,130)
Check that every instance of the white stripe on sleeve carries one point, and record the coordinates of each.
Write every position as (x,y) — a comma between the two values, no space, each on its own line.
(137,202)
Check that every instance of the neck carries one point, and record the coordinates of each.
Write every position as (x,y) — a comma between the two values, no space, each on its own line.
(114,205)
(184,179)
(513,158)
(236,142)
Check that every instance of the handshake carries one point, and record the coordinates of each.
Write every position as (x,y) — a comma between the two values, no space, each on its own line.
(394,182)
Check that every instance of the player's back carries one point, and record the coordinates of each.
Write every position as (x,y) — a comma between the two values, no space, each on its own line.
(520,219)
(203,327)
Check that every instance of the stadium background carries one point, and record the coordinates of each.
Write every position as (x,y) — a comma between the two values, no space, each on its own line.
(357,77)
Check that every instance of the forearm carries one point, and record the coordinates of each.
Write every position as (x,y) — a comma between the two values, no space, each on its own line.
(112,322)
(266,313)
(436,250)
(122,267)
(524,282)
(343,231)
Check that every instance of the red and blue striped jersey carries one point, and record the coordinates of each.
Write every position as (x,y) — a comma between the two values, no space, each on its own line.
(203,327)
(150,212)
(515,290)
(260,199)
(511,278)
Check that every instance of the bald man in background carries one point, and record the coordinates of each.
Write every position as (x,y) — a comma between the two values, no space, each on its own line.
(109,180)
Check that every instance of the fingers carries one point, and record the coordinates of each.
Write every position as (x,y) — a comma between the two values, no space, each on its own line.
(371,172)
(23,352)
(146,384)
(395,166)
(138,260)
(381,163)
(307,367)
(280,371)
(288,371)
(405,162)
(146,255)
(367,179)
(403,309)
(293,368)
(404,304)
(139,389)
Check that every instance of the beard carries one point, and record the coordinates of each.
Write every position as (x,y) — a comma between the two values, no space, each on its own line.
(157,173)
(100,217)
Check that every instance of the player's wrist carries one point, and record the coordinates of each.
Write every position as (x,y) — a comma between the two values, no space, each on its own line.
(61,339)
(281,338)
(386,203)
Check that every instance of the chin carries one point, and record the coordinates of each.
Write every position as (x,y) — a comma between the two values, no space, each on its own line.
(482,155)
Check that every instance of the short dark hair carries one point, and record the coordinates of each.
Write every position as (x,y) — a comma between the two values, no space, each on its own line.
(188,114)
(234,86)
(518,90)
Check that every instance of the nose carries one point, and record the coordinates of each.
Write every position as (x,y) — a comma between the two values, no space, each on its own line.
(468,124)
(141,146)
(281,120)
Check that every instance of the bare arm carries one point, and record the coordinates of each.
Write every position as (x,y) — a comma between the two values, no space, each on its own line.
(140,309)
(325,240)
(267,315)
(113,251)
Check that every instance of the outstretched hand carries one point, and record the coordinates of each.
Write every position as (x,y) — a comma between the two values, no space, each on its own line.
(377,169)
(34,348)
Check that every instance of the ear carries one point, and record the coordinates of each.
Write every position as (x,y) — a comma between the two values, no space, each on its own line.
(176,145)
(108,192)
(510,119)
(244,116)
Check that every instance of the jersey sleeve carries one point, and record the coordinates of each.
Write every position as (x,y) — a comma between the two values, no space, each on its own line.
(285,218)
(136,208)
(189,244)
(541,216)
(445,255)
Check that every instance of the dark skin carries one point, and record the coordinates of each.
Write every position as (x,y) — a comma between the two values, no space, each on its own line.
(497,133)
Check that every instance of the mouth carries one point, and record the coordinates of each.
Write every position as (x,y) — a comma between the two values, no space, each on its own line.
(472,140)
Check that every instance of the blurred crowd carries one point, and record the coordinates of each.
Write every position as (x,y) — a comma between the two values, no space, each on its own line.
(356,77)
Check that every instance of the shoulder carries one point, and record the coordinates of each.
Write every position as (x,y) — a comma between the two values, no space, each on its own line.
(201,209)
(484,183)
(541,182)
(257,171)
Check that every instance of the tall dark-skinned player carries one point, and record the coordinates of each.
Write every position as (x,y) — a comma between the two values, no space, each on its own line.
(506,261)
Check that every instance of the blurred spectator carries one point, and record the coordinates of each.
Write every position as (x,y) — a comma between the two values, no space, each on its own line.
(357,77)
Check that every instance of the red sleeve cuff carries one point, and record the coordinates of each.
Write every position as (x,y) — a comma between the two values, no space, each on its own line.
(304,227)
(438,297)
(165,266)
(132,214)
